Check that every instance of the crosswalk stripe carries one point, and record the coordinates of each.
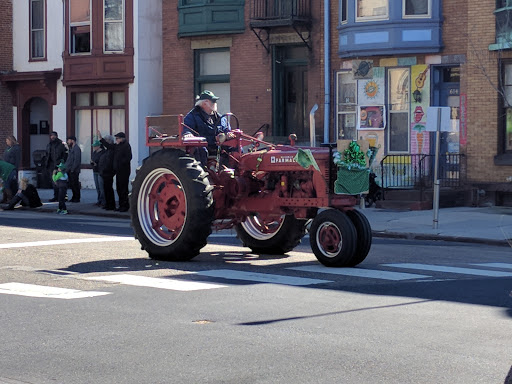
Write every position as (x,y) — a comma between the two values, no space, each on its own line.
(32,290)
(359,272)
(64,241)
(494,265)
(156,282)
(261,277)
(458,270)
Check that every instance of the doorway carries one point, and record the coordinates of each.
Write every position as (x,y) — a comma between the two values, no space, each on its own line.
(290,93)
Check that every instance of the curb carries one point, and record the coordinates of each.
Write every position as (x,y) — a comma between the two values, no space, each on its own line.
(455,239)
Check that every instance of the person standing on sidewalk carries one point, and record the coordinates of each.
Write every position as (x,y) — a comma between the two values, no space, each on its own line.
(122,158)
(12,153)
(73,164)
(97,153)
(55,153)
(106,171)
(122,169)
(60,178)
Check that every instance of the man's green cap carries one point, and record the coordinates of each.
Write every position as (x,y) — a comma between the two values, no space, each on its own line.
(62,165)
(208,95)
(96,143)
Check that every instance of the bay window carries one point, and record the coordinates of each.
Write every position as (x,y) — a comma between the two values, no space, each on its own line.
(418,8)
(80,26)
(114,25)
(372,9)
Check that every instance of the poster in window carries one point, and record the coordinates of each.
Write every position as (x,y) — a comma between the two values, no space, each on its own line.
(371,117)
(371,91)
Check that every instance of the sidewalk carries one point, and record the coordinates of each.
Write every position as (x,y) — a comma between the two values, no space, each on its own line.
(487,225)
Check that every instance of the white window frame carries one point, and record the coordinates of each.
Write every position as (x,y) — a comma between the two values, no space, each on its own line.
(428,15)
(407,109)
(32,30)
(339,103)
(72,25)
(105,22)
(372,18)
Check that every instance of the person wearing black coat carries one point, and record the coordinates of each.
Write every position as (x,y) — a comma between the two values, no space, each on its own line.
(56,153)
(12,153)
(122,169)
(106,171)
(27,195)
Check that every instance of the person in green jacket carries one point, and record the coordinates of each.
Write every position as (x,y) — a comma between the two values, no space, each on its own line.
(9,176)
(60,179)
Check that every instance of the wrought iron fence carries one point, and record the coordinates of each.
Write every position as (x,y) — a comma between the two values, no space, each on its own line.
(280,9)
(417,171)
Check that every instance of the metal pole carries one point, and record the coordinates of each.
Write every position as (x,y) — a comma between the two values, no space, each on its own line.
(312,129)
(435,223)
(327,70)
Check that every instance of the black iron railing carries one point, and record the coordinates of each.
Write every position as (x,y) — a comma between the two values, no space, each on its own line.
(281,10)
(417,171)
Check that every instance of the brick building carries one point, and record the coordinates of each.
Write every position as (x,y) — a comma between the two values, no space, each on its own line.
(264,63)
(5,66)
(77,66)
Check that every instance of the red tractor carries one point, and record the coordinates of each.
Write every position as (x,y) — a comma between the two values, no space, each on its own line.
(260,189)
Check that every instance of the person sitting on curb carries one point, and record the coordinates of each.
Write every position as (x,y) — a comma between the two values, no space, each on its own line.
(27,195)
(60,178)
(9,175)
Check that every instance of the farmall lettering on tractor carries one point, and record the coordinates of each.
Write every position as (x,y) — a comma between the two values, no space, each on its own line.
(259,188)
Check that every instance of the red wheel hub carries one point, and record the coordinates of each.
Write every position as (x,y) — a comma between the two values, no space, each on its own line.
(329,238)
(170,206)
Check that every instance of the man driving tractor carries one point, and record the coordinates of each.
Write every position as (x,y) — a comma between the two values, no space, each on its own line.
(204,120)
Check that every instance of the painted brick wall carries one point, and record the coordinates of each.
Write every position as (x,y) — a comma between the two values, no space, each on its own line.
(5,65)
(251,71)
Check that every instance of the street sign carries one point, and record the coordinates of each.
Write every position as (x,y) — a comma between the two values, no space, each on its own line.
(432,119)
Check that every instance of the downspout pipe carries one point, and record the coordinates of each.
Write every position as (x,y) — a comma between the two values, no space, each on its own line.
(327,71)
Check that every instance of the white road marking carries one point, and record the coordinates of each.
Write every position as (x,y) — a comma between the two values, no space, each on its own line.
(359,272)
(156,282)
(261,277)
(446,269)
(32,290)
(64,241)
(494,265)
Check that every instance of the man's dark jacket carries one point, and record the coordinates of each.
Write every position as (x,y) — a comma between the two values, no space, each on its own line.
(55,153)
(205,125)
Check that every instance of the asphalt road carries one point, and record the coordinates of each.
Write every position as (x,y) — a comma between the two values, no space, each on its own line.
(81,303)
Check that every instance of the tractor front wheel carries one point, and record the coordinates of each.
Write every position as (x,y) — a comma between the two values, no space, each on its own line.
(171,206)
(333,238)
(364,236)
(271,236)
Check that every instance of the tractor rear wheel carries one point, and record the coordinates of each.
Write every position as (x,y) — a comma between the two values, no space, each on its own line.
(333,238)
(273,237)
(364,236)
(171,206)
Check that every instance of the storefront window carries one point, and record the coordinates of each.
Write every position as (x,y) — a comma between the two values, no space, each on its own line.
(372,9)
(399,100)
(346,106)
(106,113)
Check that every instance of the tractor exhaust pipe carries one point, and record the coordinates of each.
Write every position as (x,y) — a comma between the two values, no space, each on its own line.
(312,128)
